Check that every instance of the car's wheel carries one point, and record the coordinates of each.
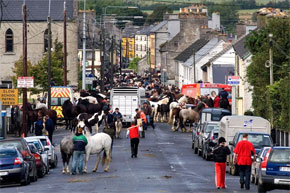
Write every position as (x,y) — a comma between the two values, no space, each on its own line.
(42,172)
(54,163)
(261,189)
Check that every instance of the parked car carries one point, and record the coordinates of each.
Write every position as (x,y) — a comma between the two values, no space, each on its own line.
(275,170)
(13,168)
(256,166)
(40,166)
(52,157)
(203,134)
(23,148)
(210,142)
(42,151)
(195,134)
(258,139)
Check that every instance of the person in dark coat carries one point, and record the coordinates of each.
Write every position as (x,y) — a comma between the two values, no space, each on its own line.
(39,125)
(49,126)
(220,153)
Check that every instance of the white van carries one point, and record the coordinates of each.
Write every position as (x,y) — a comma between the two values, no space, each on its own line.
(230,125)
(127,99)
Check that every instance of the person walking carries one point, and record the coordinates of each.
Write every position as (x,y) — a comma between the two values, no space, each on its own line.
(110,128)
(117,114)
(242,156)
(39,125)
(142,116)
(79,142)
(224,102)
(49,127)
(133,133)
(220,153)
(148,111)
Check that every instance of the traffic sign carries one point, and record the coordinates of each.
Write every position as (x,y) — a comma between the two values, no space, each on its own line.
(9,96)
(25,82)
(234,80)
(89,80)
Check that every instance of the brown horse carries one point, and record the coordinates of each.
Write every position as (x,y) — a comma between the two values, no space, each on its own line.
(190,115)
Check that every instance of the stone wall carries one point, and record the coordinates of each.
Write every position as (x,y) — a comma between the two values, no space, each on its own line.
(35,46)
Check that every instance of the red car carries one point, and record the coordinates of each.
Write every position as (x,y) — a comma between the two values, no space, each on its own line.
(41,169)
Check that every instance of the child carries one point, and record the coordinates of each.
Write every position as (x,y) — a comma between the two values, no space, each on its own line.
(133,132)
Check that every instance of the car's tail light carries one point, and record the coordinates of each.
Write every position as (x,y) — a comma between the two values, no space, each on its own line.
(265,160)
(198,133)
(47,142)
(25,153)
(37,157)
(17,161)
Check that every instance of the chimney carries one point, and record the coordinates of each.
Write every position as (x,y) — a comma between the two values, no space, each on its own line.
(240,29)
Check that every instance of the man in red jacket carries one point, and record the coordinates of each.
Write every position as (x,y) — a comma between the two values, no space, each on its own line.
(242,156)
(133,133)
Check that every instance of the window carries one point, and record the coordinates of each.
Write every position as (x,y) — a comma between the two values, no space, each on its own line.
(46,40)
(9,40)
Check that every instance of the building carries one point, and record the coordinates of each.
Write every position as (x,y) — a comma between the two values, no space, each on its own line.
(193,26)
(128,42)
(142,42)
(220,66)
(185,70)
(159,34)
(11,34)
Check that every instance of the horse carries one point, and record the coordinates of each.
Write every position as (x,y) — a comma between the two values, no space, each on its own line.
(66,149)
(91,120)
(163,109)
(69,112)
(91,108)
(165,100)
(190,115)
(96,144)
(118,125)
(39,105)
(174,116)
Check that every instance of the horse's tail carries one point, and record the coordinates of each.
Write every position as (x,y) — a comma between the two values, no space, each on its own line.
(170,119)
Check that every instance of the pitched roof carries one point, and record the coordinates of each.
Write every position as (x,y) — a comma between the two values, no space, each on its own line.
(145,30)
(240,48)
(158,26)
(187,53)
(130,31)
(37,10)
(227,48)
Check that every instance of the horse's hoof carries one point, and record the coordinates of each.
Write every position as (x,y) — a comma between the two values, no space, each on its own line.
(63,172)
(106,170)
(94,170)
(84,171)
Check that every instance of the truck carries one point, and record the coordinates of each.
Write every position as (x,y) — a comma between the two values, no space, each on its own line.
(59,94)
(232,129)
(127,99)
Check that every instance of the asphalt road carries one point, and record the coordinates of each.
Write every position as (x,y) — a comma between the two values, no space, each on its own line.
(165,163)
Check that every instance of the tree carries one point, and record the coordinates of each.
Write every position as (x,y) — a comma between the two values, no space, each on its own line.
(267,97)
(157,14)
(39,71)
(134,64)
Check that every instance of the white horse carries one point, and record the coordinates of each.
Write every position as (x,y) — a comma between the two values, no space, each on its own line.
(91,99)
(155,108)
(39,105)
(183,99)
(171,106)
(96,144)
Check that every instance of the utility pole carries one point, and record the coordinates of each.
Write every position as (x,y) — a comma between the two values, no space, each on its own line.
(112,63)
(102,59)
(93,51)
(49,59)
(194,73)
(64,47)
(84,48)
(271,58)
(120,45)
(24,122)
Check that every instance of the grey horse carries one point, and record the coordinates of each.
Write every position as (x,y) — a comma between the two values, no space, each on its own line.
(66,149)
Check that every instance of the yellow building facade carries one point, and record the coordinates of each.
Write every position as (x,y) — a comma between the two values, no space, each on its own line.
(128,47)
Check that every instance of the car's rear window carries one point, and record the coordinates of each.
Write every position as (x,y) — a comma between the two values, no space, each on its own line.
(43,141)
(209,128)
(16,144)
(258,140)
(37,144)
(280,156)
(7,153)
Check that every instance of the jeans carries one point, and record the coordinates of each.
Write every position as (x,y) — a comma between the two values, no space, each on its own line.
(245,172)
(148,119)
(78,161)
(134,146)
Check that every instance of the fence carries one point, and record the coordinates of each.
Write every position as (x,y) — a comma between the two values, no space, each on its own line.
(282,138)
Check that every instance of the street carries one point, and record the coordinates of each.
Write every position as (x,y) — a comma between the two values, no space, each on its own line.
(165,163)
